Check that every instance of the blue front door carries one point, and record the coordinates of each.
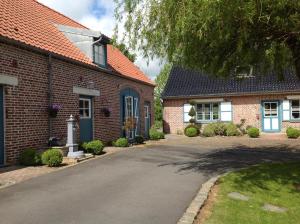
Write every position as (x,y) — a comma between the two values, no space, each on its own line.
(271,116)
(130,113)
(1,127)
(86,118)
(147,119)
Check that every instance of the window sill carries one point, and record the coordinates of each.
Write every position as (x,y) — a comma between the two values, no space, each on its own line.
(293,121)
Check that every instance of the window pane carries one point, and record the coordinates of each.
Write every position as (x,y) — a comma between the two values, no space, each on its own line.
(295,103)
(274,112)
(199,116)
(295,115)
(80,104)
(86,113)
(199,108)
(267,113)
(81,113)
(207,117)
(86,104)
(273,106)
(207,108)
(215,116)
(267,106)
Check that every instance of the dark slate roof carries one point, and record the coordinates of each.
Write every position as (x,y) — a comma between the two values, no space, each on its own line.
(188,83)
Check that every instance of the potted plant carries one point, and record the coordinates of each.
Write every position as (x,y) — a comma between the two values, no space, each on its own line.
(53,110)
(129,126)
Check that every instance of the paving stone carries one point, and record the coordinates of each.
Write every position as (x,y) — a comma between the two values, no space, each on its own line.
(274,208)
(238,196)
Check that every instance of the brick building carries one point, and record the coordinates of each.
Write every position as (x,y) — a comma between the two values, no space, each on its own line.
(263,100)
(48,60)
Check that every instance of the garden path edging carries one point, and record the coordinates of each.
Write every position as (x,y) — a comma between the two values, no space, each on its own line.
(192,211)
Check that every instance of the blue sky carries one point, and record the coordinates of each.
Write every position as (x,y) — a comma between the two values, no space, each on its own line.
(98,15)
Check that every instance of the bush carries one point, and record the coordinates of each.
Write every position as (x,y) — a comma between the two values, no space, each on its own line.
(139,139)
(253,132)
(52,157)
(232,130)
(96,147)
(192,126)
(220,128)
(209,130)
(121,142)
(30,157)
(155,134)
(292,132)
(191,132)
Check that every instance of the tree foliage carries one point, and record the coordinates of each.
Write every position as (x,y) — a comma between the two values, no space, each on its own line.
(215,35)
(160,82)
(125,50)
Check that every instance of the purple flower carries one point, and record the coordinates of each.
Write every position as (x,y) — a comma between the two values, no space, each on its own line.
(55,107)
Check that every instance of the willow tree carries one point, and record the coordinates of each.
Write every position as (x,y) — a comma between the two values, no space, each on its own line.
(215,35)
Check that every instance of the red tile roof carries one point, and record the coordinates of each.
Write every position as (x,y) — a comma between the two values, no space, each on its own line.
(32,23)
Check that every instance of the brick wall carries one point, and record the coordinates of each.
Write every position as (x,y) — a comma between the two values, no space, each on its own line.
(26,119)
(244,107)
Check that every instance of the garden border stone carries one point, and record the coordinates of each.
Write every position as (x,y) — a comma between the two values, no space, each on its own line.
(198,202)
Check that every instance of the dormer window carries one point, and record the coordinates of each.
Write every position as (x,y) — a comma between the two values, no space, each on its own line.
(100,55)
(244,71)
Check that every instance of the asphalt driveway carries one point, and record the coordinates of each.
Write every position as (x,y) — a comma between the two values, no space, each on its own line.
(150,185)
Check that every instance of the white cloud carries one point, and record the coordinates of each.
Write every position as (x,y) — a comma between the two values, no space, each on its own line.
(99,15)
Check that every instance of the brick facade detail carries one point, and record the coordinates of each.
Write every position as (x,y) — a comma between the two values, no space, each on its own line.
(26,115)
(243,107)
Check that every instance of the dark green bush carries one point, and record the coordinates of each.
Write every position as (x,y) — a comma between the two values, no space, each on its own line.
(209,130)
(248,127)
(139,139)
(30,157)
(220,128)
(253,132)
(155,134)
(292,132)
(52,157)
(191,132)
(96,147)
(192,126)
(232,130)
(121,142)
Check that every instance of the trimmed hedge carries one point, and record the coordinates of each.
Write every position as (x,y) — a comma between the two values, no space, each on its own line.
(95,147)
(155,134)
(30,157)
(209,130)
(121,142)
(232,130)
(253,132)
(219,128)
(192,126)
(191,132)
(292,132)
(52,157)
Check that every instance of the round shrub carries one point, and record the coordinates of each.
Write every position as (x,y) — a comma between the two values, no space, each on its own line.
(220,128)
(209,130)
(52,157)
(292,133)
(253,132)
(96,147)
(121,142)
(192,126)
(191,132)
(232,130)
(155,134)
(139,139)
(30,157)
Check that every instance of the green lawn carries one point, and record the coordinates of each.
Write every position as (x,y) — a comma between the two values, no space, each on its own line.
(267,183)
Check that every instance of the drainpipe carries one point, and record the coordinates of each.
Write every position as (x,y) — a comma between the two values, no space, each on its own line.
(50,93)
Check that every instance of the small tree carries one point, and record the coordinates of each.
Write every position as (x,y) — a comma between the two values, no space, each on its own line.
(192,114)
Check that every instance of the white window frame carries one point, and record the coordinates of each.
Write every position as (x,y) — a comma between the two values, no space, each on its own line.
(291,110)
(211,114)
(84,108)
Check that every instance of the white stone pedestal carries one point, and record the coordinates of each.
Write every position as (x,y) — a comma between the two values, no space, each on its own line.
(71,142)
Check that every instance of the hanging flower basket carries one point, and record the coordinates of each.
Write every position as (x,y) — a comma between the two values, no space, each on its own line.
(106,112)
(53,110)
